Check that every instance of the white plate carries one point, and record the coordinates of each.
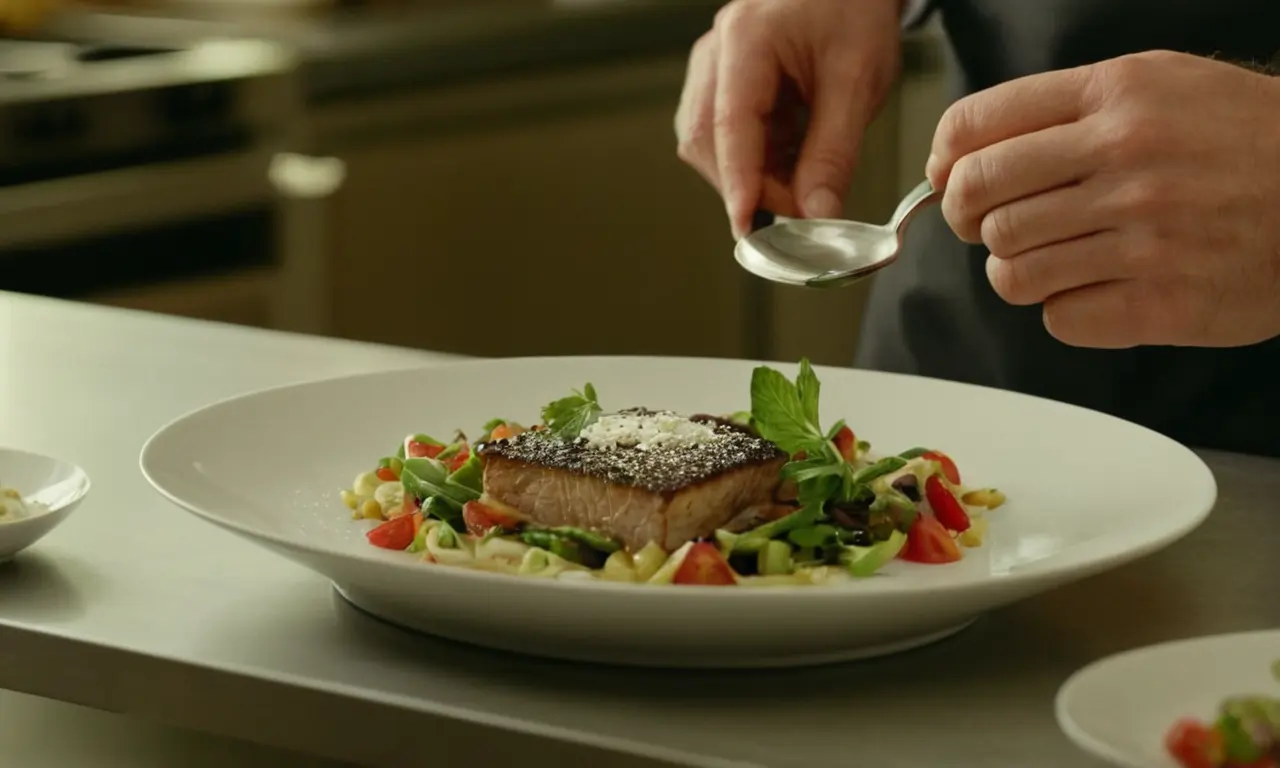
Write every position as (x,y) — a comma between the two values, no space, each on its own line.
(1087,492)
(57,484)
(1120,708)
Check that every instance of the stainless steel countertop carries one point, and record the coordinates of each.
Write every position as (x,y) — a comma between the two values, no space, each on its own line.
(135,606)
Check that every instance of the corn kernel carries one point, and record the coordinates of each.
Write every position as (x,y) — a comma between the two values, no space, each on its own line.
(986,497)
(976,533)
(371,510)
(350,499)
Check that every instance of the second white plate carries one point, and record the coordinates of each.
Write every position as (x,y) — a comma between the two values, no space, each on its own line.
(1120,708)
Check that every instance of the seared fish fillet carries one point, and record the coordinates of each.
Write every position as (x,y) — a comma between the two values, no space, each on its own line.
(669,488)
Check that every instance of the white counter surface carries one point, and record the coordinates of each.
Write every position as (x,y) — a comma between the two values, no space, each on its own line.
(134,606)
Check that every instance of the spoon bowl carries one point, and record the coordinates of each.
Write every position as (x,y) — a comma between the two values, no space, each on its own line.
(57,485)
(829,253)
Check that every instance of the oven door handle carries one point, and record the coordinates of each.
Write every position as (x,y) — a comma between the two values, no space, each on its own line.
(132,198)
(309,220)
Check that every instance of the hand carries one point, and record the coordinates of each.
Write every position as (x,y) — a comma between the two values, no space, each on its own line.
(749,82)
(25,15)
(1138,199)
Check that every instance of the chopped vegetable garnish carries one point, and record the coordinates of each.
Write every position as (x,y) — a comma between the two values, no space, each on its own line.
(620,497)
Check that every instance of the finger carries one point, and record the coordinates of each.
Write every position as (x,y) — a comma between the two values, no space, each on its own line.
(1010,109)
(746,89)
(1037,275)
(1065,213)
(695,134)
(1014,169)
(1129,313)
(830,149)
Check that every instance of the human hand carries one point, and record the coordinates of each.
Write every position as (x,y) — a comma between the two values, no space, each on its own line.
(1138,199)
(25,15)
(750,79)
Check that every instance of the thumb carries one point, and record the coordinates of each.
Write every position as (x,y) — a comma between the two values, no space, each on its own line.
(837,123)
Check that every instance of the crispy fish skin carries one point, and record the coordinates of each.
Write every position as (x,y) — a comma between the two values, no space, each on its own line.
(666,495)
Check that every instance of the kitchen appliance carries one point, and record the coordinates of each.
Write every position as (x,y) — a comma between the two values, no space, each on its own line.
(136,173)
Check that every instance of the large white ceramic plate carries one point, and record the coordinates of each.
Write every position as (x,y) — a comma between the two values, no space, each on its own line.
(1120,708)
(1087,492)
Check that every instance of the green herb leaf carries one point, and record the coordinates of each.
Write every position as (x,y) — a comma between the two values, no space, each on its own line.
(568,416)
(779,415)
(429,479)
(491,425)
(808,469)
(813,537)
(808,388)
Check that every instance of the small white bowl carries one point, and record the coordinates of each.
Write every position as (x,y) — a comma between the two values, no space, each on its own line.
(58,485)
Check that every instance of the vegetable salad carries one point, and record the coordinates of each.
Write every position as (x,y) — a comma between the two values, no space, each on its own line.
(1245,734)
(843,513)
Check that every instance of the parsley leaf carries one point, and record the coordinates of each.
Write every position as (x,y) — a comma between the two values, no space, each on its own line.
(568,416)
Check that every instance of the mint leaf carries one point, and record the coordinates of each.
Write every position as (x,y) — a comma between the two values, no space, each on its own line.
(568,416)
(808,387)
(809,469)
(779,414)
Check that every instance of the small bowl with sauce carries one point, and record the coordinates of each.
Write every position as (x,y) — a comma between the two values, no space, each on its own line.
(36,494)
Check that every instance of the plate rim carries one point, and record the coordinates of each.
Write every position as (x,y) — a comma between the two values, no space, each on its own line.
(1053,574)
(1101,749)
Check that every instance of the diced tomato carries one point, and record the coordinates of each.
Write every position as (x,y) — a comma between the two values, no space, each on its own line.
(1195,745)
(949,468)
(847,443)
(411,503)
(396,533)
(928,542)
(505,431)
(387,475)
(481,518)
(946,507)
(458,459)
(417,450)
(800,456)
(416,517)
(703,564)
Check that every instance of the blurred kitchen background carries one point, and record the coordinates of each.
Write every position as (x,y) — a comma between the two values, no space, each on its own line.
(488,177)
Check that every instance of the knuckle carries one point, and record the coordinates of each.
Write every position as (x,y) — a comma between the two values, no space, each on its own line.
(954,124)
(734,16)
(999,231)
(966,190)
(1014,281)
(1062,322)
(1146,197)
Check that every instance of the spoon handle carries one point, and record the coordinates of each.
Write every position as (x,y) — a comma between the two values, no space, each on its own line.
(922,195)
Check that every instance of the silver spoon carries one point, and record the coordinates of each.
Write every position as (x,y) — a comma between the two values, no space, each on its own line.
(829,253)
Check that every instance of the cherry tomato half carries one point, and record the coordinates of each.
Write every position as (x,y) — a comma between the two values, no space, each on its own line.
(704,565)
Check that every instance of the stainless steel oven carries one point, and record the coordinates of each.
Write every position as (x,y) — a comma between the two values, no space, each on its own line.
(138,175)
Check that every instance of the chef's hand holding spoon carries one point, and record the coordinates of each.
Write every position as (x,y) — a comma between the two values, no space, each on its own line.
(754,79)
(1137,200)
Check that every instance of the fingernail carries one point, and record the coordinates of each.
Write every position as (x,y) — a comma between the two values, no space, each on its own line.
(822,203)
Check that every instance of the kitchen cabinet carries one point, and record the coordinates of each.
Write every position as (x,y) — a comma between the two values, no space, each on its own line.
(547,214)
